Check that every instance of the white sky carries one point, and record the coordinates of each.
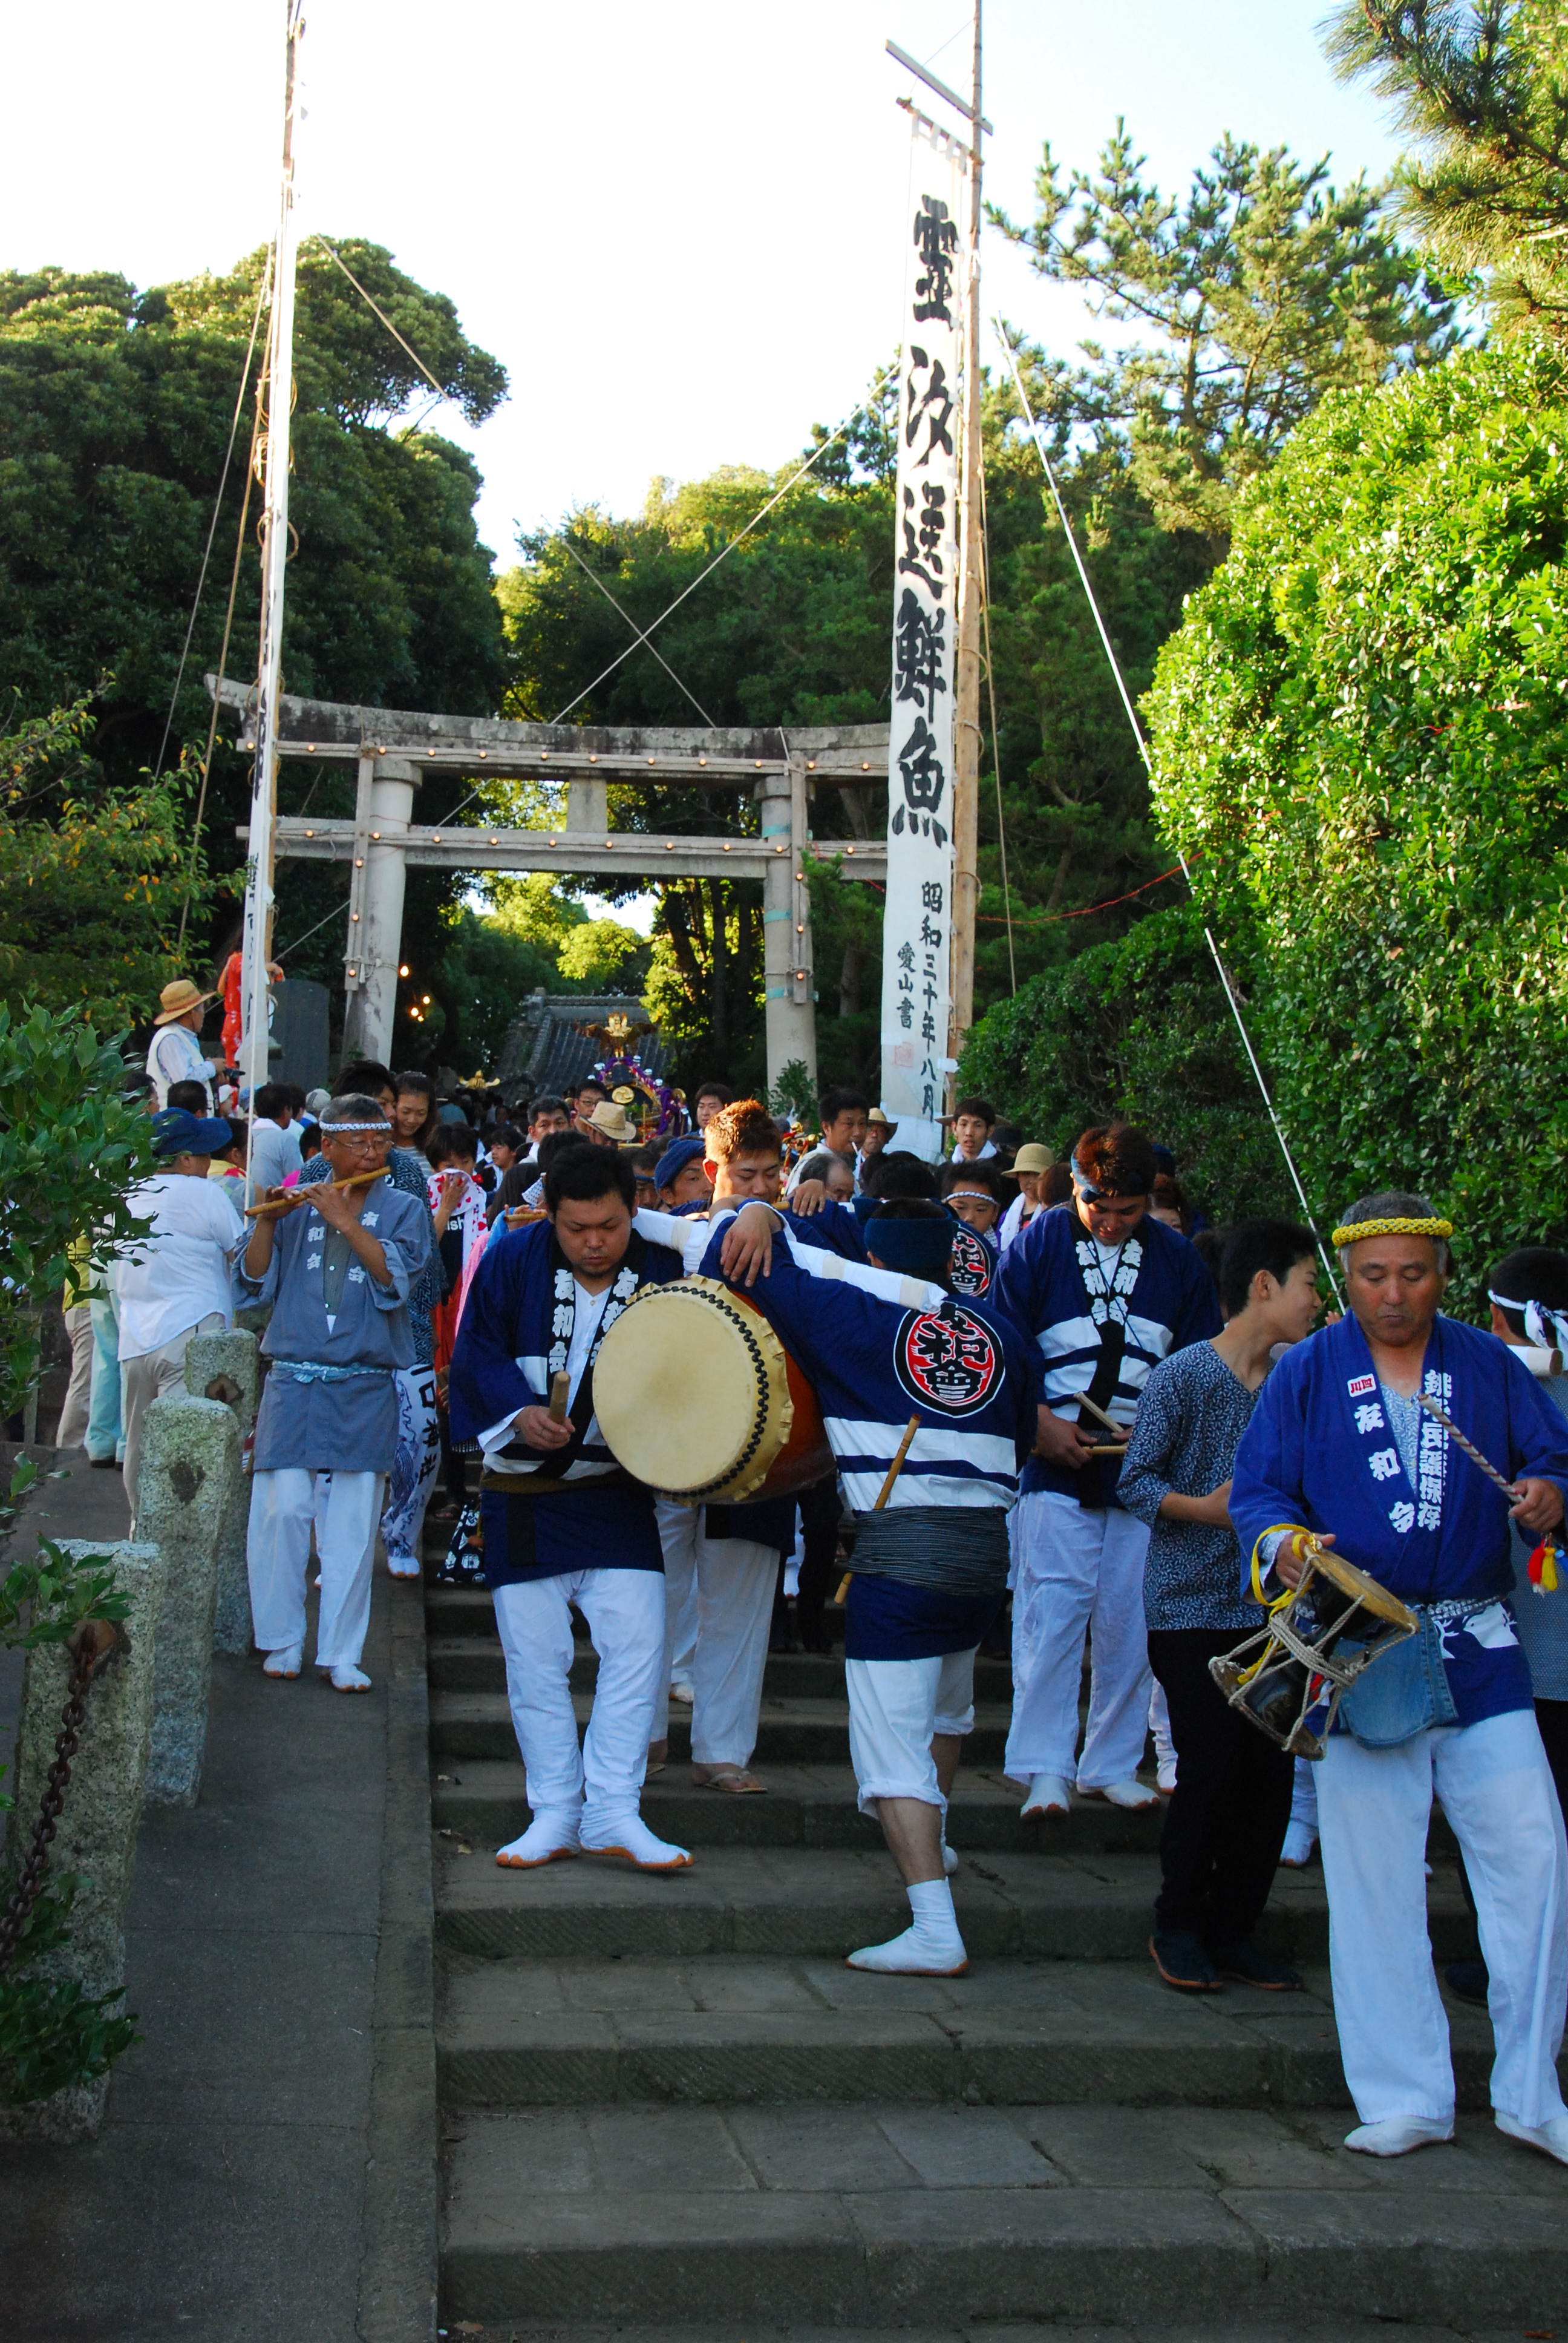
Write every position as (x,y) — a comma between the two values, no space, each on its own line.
(679,227)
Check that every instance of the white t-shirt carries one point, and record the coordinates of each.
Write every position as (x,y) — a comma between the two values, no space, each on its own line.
(168,1280)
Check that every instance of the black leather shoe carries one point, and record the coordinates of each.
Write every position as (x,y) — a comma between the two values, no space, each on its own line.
(1247,1966)
(1181,1960)
(1467,1981)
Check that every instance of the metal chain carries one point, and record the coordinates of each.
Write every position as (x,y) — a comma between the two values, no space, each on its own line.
(88,1653)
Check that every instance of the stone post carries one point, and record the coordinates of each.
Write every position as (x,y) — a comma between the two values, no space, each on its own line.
(790,1012)
(96,1835)
(227,1367)
(383,808)
(190,1483)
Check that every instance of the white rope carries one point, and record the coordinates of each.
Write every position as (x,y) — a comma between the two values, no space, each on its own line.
(1115,666)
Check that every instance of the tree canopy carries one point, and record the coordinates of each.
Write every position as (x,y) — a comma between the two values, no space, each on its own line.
(1360,729)
(1481,87)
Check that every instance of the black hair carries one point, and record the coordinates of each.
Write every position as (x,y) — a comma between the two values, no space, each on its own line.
(982,1107)
(295,1094)
(546,1106)
(1530,1273)
(268,1099)
(958,1173)
(720,1090)
(507,1134)
(192,1096)
(310,1141)
(1209,1244)
(1251,1246)
(551,1147)
(584,1173)
(367,1074)
(897,1172)
(834,1103)
(449,1138)
(1117,1159)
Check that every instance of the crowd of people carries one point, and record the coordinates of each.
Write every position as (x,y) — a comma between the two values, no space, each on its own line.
(1063,1411)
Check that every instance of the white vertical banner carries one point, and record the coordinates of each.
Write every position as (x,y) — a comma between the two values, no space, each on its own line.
(916,924)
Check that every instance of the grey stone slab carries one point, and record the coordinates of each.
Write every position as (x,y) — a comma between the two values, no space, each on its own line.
(499,2162)
(746,2054)
(966,2147)
(1478,2161)
(630,1985)
(1400,2253)
(741,1984)
(1055,2253)
(730,2255)
(819,2148)
(1107,2148)
(689,2149)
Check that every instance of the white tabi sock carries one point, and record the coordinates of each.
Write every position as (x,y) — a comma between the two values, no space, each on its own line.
(547,1839)
(348,1679)
(283,1664)
(1048,1795)
(1550,2137)
(1398,2135)
(628,1835)
(930,1946)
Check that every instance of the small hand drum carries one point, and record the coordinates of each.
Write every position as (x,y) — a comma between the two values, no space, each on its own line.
(697,1396)
(1299,1665)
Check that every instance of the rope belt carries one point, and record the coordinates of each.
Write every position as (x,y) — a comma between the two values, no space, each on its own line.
(1458,1609)
(311,1371)
(958,1549)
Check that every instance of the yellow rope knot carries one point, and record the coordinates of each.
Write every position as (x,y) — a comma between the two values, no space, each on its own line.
(1354,1231)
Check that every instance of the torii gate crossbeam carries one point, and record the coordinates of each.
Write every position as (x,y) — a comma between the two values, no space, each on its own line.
(394,748)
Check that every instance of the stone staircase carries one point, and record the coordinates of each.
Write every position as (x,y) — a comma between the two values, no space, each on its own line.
(668,2107)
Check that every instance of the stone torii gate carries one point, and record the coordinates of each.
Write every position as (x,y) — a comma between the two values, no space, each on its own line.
(392,749)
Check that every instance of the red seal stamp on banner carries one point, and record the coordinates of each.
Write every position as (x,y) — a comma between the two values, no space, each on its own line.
(1359,1385)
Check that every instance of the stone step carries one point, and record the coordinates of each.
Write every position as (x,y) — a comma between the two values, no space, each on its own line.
(473,1663)
(1251,2330)
(733,2030)
(883,2215)
(788,1732)
(485,1801)
(793,1902)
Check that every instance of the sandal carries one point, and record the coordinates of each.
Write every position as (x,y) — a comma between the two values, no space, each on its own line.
(734,1779)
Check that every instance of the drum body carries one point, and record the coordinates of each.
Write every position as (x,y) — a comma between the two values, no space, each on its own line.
(1317,1641)
(697,1396)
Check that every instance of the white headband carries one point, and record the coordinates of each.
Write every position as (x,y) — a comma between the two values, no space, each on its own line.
(1536,1316)
(354,1126)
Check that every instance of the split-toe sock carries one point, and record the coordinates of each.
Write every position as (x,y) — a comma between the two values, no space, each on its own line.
(549,1838)
(628,1835)
(344,1678)
(1129,1793)
(930,1946)
(1399,2134)
(1551,2138)
(283,1663)
(1049,1794)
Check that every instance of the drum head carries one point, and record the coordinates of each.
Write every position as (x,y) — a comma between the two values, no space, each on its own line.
(1365,1590)
(692,1391)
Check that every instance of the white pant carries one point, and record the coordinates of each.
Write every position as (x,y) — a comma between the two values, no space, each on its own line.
(282,1506)
(1077,1571)
(154,1375)
(1304,1795)
(415,1465)
(1374,1807)
(625,1613)
(895,1707)
(73,1431)
(734,1579)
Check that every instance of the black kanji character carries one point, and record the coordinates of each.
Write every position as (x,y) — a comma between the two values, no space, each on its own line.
(936,239)
(919,647)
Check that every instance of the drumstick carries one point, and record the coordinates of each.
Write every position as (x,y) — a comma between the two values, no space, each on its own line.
(1475,1454)
(886,1490)
(1108,1450)
(1099,1415)
(559,1386)
(283,1203)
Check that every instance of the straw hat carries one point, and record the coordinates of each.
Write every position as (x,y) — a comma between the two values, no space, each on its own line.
(877,1116)
(613,1121)
(180,998)
(1033,1158)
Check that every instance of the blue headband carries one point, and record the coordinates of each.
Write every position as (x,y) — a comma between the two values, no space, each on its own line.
(675,1159)
(914,1248)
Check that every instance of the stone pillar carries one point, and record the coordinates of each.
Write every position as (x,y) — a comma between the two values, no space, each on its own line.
(382,811)
(96,1835)
(190,1481)
(789,994)
(227,1367)
(587,808)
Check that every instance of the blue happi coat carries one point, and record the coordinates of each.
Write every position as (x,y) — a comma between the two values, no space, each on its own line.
(878,1348)
(1054,1282)
(1320,1452)
(973,1265)
(329,1405)
(545,1513)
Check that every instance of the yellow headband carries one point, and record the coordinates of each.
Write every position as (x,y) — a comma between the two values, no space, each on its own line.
(1354,1231)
